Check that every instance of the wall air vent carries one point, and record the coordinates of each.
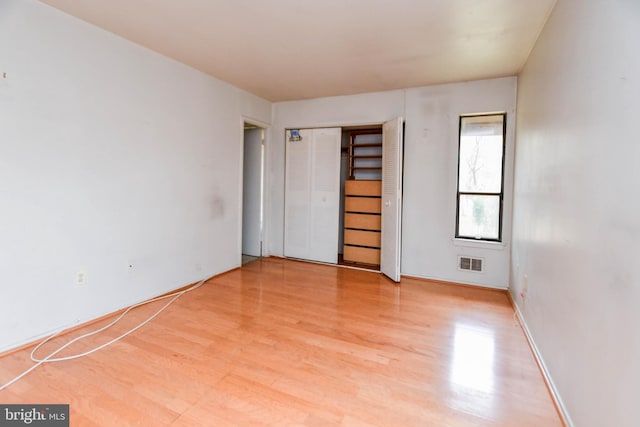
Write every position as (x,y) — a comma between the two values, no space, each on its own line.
(470,264)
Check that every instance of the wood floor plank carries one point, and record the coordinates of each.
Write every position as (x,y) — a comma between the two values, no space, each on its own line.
(282,342)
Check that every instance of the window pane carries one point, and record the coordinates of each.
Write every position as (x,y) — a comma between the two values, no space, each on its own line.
(481,155)
(482,125)
(481,164)
(479,217)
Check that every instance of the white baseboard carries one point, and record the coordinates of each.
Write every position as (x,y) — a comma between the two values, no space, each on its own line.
(555,395)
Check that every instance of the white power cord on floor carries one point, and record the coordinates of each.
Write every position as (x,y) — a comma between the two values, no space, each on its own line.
(50,358)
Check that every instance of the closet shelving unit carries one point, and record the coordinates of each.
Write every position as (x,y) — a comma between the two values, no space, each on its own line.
(363,191)
(365,152)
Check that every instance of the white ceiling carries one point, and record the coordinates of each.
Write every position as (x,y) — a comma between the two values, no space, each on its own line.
(298,49)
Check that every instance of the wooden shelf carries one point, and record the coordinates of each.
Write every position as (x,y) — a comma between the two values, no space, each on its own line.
(363,201)
(363,188)
(359,204)
(369,239)
(357,254)
(365,147)
(372,144)
(373,131)
(362,221)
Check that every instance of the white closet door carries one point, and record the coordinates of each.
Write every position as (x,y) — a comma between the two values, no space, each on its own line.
(391,198)
(312,198)
(297,208)
(325,195)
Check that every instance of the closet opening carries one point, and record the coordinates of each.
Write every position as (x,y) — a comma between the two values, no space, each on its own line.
(343,195)
(360,197)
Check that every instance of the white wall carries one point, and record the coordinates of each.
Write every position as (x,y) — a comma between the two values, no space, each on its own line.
(431,144)
(577,207)
(430,180)
(110,156)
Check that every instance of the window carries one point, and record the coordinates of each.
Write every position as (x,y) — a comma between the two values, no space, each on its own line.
(480,177)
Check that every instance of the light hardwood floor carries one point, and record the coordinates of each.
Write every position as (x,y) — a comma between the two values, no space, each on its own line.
(281,342)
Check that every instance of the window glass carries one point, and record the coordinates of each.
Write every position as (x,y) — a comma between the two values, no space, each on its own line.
(480,177)
(479,216)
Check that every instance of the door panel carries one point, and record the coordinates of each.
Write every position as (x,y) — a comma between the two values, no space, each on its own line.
(312,199)
(325,195)
(391,198)
(296,221)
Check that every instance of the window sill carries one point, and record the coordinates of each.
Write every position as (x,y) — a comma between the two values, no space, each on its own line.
(471,243)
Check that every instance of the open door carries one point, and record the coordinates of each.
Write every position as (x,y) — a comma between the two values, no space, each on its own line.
(252,193)
(391,198)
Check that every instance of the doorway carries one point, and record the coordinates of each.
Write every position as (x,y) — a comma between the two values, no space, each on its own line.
(252,192)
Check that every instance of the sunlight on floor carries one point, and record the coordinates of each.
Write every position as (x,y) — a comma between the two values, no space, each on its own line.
(472,369)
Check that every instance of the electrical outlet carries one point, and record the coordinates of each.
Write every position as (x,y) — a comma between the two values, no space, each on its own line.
(81,278)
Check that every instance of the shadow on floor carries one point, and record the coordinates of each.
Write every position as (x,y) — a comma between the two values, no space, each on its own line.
(246,259)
